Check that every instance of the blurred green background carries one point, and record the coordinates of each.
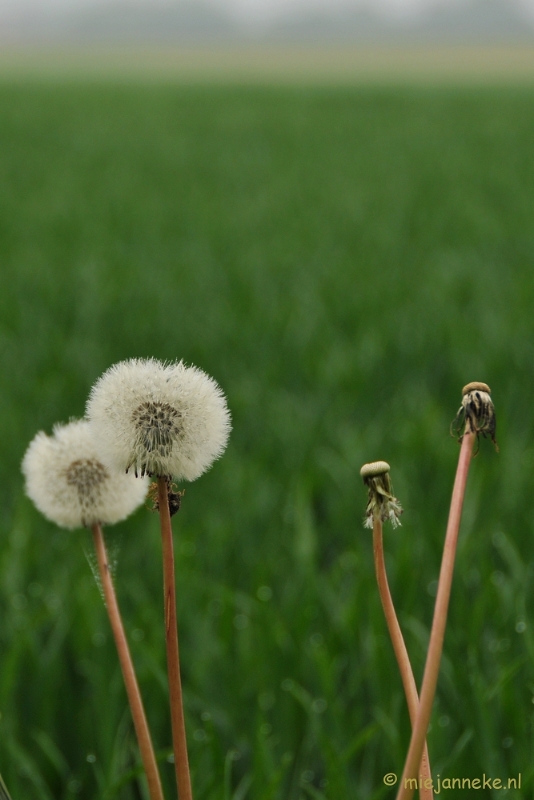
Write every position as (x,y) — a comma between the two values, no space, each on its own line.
(342,261)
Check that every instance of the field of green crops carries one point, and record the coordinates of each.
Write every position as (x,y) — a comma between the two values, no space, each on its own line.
(342,261)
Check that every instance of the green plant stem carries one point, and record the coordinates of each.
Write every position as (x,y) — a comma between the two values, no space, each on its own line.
(437,633)
(181,762)
(132,688)
(401,654)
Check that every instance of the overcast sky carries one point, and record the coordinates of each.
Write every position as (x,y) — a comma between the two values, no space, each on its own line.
(254,9)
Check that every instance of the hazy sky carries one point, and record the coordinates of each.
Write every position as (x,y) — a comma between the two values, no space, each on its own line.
(253,9)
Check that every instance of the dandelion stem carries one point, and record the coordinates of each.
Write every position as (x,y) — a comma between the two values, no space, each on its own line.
(132,688)
(401,654)
(437,634)
(181,763)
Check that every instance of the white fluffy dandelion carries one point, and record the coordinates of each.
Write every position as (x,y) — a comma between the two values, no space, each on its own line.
(69,484)
(159,419)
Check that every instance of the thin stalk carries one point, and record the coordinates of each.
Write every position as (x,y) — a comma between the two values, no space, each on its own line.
(181,763)
(437,634)
(401,654)
(132,688)
(4,794)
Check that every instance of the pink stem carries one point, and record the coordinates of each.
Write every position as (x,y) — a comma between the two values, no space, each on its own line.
(430,678)
(181,762)
(401,654)
(132,688)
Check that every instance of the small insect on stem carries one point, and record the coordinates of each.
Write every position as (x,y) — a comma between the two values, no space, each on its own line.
(173,493)
(476,414)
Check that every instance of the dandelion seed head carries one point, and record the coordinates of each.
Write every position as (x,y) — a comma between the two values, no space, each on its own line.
(159,419)
(70,485)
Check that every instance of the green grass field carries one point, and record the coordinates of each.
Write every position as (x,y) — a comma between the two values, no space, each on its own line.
(342,261)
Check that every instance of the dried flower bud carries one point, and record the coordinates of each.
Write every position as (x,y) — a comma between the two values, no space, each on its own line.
(381,503)
(476,414)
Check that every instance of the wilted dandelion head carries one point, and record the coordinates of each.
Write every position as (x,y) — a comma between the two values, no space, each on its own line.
(381,503)
(69,484)
(477,412)
(159,419)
